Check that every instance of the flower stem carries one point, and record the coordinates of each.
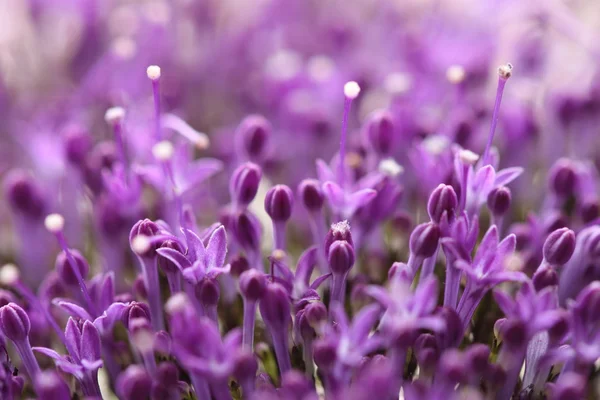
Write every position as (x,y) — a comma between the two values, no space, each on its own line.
(280,343)
(499,92)
(30,364)
(248,327)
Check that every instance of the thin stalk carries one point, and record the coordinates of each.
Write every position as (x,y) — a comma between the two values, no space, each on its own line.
(248,327)
(502,78)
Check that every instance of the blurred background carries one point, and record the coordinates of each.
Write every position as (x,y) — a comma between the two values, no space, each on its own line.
(432,64)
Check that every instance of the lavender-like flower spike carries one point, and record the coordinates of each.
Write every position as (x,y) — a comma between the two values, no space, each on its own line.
(15,325)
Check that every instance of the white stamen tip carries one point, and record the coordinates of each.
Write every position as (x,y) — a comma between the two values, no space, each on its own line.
(140,244)
(390,167)
(54,223)
(468,157)
(114,115)
(340,227)
(351,90)
(455,74)
(202,142)
(9,274)
(505,71)
(176,303)
(153,72)
(163,151)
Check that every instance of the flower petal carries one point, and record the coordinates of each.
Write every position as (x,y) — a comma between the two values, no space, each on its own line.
(216,250)
(507,175)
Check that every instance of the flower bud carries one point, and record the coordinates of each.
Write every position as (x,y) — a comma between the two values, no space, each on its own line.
(560,328)
(275,306)
(167,374)
(244,182)
(246,230)
(380,132)
(143,229)
(341,257)
(65,270)
(559,246)
(24,195)
(239,265)
(514,333)
(442,199)
(134,311)
(77,145)
(134,383)
(563,178)
(477,357)
(252,284)
(571,385)
(311,194)
(254,132)
(165,264)
(589,211)
(544,277)
(424,240)
(453,367)
(498,201)
(207,292)
(324,354)
(49,386)
(315,314)
(338,231)
(279,202)
(14,322)
(245,365)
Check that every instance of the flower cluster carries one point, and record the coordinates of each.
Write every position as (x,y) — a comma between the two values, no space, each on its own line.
(363,219)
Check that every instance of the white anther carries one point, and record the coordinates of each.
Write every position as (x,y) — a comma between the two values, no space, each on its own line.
(54,223)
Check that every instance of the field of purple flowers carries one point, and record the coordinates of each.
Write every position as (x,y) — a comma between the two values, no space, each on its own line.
(299,199)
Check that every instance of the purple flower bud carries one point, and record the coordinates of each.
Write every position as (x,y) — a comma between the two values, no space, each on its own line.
(453,367)
(162,342)
(324,354)
(341,257)
(563,178)
(495,376)
(315,314)
(275,306)
(477,357)
(135,310)
(514,333)
(544,277)
(246,230)
(380,132)
(279,202)
(294,385)
(559,246)
(311,194)
(560,328)
(453,334)
(338,231)
(424,240)
(239,264)
(14,322)
(245,365)
(167,374)
(6,297)
(589,211)
(139,287)
(253,133)
(253,284)
(442,199)
(207,292)
(165,264)
(499,200)
(49,386)
(65,270)
(570,386)
(427,352)
(134,383)
(77,144)
(143,228)
(244,182)
(24,195)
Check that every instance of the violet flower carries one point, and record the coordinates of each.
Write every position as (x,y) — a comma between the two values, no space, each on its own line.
(84,360)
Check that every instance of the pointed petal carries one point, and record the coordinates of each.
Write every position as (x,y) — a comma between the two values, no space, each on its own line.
(507,175)
(306,265)
(484,181)
(317,282)
(197,172)
(233,340)
(324,173)
(196,248)
(48,352)
(360,198)
(334,194)
(380,295)
(90,342)
(487,248)
(72,309)
(92,365)
(176,257)
(107,293)
(363,323)
(425,297)
(507,246)
(73,336)
(216,250)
